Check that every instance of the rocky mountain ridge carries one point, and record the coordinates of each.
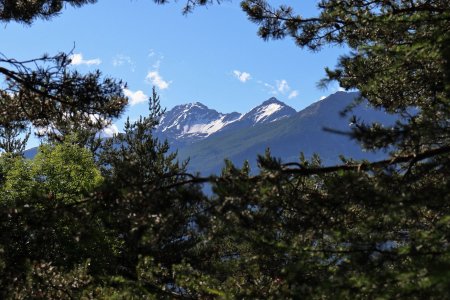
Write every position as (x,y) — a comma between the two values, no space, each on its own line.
(192,122)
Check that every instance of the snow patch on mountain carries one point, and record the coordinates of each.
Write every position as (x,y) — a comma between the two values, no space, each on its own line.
(207,129)
(269,111)
(266,111)
(193,121)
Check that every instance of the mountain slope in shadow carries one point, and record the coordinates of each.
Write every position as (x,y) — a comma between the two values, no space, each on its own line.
(288,137)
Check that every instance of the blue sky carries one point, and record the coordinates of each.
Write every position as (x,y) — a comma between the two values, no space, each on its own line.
(213,55)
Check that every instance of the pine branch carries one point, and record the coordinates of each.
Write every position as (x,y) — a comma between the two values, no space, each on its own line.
(301,170)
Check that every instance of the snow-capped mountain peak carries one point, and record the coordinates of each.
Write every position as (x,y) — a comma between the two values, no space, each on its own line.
(266,111)
(270,110)
(191,122)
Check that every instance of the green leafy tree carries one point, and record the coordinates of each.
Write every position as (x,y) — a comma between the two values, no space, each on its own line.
(46,224)
(65,171)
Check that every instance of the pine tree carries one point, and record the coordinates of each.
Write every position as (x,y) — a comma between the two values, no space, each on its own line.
(360,229)
(14,138)
(149,202)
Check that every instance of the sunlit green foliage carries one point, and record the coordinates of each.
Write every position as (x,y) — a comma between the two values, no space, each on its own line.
(46,226)
(64,172)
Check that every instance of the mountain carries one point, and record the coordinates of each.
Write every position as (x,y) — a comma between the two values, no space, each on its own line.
(269,111)
(288,136)
(207,137)
(189,123)
(192,122)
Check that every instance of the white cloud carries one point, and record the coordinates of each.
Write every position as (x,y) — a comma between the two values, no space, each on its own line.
(323,97)
(271,89)
(77,59)
(341,89)
(268,87)
(282,86)
(135,97)
(110,131)
(155,78)
(242,76)
(293,94)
